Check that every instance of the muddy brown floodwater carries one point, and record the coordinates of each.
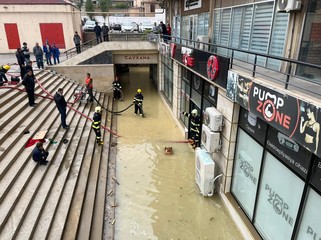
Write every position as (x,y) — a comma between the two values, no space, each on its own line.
(157,197)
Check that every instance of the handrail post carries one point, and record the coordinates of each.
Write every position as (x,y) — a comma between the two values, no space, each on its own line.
(232,57)
(288,76)
(254,66)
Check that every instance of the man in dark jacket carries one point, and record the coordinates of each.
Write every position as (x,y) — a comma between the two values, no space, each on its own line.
(29,83)
(39,154)
(105,30)
(97,30)
(77,41)
(26,53)
(48,52)
(163,31)
(61,106)
(21,61)
(96,125)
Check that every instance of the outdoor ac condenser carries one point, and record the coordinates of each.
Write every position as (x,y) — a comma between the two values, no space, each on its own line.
(210,140)
(204,172)
(213,119)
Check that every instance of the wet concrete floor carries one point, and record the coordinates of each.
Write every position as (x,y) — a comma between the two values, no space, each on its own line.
(157,197)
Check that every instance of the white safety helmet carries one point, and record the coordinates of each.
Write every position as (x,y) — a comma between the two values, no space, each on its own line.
(98,109)
(194,112)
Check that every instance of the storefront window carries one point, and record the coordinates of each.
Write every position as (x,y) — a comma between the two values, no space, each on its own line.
(168,78)
(311,221)
(246,171)
(278,200)
(185,103)
(316,174)
(210,92)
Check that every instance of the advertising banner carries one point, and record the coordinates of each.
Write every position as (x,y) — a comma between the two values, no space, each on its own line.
(288,151)
(210,66)
(294,118)
(253,125)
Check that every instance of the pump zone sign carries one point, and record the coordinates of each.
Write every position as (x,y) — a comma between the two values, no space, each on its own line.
(287,114)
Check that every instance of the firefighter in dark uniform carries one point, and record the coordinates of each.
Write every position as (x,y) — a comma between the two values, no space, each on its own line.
(3,70)
(138,101)
(195,123)
(117,89)
(96,125)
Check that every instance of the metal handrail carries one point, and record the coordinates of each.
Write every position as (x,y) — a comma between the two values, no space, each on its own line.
(112,37)
(287,66)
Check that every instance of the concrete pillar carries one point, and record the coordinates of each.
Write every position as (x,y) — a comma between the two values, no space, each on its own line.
(225,158)
(177,87)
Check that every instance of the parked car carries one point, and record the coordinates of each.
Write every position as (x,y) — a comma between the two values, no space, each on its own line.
(89,26)
(145,27)
(116,27)
(128,27)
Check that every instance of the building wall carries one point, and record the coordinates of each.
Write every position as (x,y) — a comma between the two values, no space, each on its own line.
(28,17)
(102,74)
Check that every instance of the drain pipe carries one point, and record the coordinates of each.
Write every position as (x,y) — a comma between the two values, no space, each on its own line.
(212,184)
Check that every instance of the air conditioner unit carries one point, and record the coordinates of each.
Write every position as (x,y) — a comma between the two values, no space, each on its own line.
(213,119)
(204,172)
(210,140)
(288,5)
(202,39)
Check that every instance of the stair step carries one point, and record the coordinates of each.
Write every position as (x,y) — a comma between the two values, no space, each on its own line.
(66,198)
(58,213)
(52,185)
(97,226)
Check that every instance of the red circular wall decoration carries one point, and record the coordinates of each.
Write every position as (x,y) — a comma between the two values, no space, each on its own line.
(212,67)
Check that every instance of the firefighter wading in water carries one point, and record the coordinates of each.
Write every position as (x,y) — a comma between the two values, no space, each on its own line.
(195,123)
(138,101)
(96,125)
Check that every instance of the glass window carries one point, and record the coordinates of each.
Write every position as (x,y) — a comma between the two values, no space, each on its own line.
(189,29)
(255,27)
(277,39)
(210,93)
(176,30)
(288,151)
(316,174)
(203,24)
(311,41)
(196,98)
(310,224)
(185,96)
(246,171)
(253,125)
(168,81)
(277,208)
(197,83)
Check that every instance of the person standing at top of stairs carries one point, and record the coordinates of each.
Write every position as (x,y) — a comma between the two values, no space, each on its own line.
(89,87)
(61,106)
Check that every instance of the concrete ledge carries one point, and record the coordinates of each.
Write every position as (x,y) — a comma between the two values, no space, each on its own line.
(240,219)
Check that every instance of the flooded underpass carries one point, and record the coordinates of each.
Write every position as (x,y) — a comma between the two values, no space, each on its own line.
(157,197)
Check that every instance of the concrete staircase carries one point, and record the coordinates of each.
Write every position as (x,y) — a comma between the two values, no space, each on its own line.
(66,198)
